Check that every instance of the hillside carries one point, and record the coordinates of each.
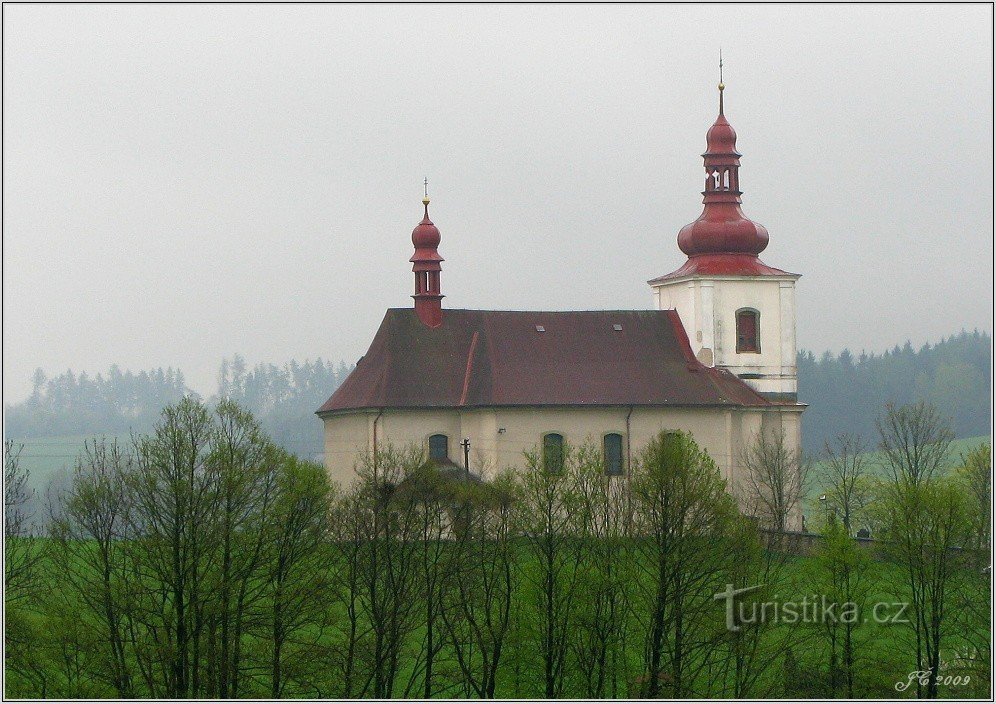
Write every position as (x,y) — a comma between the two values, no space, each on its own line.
(847,393)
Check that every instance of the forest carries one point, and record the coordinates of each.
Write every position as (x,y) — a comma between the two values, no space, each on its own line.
(845,394)
(202,560)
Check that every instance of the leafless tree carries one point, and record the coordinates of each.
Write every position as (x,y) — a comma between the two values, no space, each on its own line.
(600,634)
(773,479)
(21,554)
(915,441)
(925,515)
(383,554)
(845,479)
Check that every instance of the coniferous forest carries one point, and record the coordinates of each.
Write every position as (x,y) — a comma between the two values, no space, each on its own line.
(845,393)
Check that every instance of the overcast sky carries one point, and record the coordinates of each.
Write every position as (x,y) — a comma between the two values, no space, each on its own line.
(182,183)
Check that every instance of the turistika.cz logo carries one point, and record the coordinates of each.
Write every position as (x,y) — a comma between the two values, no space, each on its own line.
(808,610)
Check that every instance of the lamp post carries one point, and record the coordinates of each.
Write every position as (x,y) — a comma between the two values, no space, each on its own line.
(466,457)
(826,506)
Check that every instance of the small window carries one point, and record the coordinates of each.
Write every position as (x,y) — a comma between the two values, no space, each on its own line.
(748,327)
(612,447)
(439,447)
(553,452)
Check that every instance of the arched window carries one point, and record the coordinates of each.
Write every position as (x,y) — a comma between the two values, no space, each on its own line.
(748,330)
(612,448)
(439,447)
(553,452)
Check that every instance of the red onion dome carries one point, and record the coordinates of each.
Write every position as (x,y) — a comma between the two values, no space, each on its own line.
(425,235)
(722,228)
(721,137)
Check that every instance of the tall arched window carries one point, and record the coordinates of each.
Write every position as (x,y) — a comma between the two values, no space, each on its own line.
(748,330)
(553,452)
(612,449)
(439,447)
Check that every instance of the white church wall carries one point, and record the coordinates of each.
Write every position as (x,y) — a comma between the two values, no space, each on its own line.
(500,436)
(707,308)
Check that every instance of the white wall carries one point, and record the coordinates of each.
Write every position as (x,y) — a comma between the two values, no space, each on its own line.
(707,307)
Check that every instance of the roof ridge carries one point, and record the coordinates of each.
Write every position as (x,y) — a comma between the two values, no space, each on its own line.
(561,312)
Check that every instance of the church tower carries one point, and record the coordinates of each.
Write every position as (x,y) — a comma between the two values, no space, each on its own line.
(739,313)
(426,264)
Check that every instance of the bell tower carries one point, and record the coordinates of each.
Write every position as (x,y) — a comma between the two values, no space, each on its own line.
(739,312)
(426,264)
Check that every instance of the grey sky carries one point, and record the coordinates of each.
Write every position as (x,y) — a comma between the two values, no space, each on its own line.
(182,183)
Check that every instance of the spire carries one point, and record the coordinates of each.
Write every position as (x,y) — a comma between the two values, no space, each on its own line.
(722,229)
(426,266)
(721,86)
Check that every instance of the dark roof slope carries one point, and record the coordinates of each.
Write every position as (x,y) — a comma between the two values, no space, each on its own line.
(500,358)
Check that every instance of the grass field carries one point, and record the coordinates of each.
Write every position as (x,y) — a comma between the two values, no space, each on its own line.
(877,467)
(884,650)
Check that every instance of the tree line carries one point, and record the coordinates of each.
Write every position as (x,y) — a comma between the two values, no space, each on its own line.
(283,398)
(201,560)
(845,393)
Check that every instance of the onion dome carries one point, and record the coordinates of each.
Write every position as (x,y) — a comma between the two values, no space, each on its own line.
(722,241)
(722,228)
(425,236)
(426,266)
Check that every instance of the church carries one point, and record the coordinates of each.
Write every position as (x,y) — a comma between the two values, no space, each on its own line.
(715,356)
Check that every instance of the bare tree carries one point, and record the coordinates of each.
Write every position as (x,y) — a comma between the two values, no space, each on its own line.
(845,480)
(21,554)
(915,441)
(926,522)
(740,663)
(385,560)
(431,495)
(773,479)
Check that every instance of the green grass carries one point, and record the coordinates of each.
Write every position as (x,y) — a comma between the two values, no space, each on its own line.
(877,465)
(884,650)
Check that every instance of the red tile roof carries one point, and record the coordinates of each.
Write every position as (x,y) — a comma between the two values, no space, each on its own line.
(722,265)
(481,358)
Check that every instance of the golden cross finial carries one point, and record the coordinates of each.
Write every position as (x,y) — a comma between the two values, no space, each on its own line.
(425,184)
